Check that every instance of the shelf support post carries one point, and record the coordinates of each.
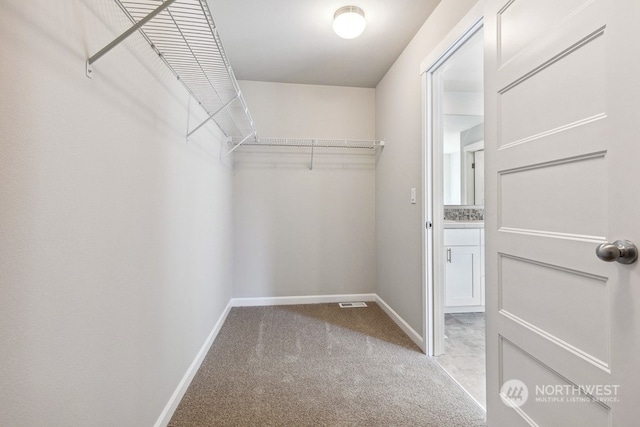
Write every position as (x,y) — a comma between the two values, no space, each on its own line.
(313,143)
(126,34)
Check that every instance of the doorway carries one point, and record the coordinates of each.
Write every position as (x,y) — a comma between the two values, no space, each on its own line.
(455,203)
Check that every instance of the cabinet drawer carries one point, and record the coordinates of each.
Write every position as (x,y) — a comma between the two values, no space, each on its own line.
(461,236)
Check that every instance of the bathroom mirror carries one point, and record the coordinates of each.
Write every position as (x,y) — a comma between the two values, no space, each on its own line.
(463,160)
(458,117)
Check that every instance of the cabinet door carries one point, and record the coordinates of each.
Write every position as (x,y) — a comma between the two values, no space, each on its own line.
(462,276)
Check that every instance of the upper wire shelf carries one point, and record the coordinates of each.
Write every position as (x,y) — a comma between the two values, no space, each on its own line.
(315,146)
(362,144)
(184,35)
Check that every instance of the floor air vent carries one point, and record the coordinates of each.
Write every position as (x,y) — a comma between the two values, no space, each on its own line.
(352,304)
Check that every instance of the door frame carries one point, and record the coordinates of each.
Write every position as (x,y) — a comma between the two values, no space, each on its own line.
(433,209)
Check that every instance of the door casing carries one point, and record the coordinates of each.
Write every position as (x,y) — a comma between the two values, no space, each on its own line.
(433,210)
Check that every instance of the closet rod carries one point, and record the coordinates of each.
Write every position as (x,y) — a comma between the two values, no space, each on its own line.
(312,143)
(316,145)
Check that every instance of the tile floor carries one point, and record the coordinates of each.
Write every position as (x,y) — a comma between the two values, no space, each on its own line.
(464,357)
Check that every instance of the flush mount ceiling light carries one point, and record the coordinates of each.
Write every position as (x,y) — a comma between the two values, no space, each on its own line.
(348,22)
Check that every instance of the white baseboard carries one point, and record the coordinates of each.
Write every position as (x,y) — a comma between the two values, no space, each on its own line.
(177,395)
(415,337)
(310,299)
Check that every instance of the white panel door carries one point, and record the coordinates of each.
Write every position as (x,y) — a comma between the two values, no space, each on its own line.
(562,149)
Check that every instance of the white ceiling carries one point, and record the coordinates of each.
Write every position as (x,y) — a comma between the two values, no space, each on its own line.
(292,41)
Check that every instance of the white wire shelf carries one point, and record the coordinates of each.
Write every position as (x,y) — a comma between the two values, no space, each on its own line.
(356,144)
(183,34)
(314,147)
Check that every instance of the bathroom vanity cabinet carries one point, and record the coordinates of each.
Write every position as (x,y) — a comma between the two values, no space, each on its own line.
(464,268)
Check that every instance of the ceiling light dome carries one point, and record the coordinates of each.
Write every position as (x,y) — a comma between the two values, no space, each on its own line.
(348,22)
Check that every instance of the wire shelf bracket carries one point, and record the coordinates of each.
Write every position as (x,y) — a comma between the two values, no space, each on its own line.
(183,34)
(212,115)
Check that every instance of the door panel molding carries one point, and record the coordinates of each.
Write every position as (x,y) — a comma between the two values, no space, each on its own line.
(579,408)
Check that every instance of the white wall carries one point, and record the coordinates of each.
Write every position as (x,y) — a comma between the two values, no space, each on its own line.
(451,172)
(301,232)
(115,261)
(399,122)
(463,103)
(311,111)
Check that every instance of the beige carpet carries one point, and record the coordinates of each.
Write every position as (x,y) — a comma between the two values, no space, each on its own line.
(320,365)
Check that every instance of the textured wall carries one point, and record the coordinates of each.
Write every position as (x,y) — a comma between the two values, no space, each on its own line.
(115,254)
(399,121)
(299,231)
